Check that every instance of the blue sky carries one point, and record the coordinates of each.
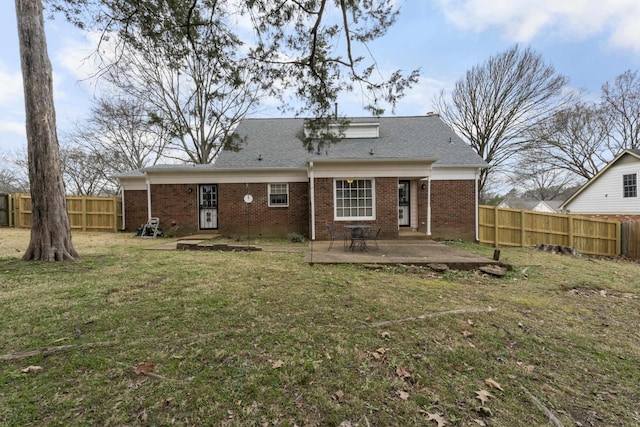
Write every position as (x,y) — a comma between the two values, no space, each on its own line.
(589,41)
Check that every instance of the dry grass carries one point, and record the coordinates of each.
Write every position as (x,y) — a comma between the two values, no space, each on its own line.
(261,338)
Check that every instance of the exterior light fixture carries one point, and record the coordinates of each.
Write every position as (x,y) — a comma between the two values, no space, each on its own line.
(350,181)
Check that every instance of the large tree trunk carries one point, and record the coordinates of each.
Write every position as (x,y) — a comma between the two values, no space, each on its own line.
(50,230)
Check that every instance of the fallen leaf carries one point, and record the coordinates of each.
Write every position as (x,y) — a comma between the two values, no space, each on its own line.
(338,395)
(277,364)
(402,372)
(385,334)
(480,422)
(403,394)
(31,368)
(379,353)
(467,334)
(144,368)
(470,322)
(437,418)
(483,395)
(493,384)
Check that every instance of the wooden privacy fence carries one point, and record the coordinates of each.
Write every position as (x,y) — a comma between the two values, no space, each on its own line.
(515,227)
(630,245)
(86,213)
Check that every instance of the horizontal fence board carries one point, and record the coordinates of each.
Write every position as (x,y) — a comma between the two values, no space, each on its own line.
(517,227)
(86,213)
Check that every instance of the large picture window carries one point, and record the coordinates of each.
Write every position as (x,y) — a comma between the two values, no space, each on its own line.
(629,185)
(279,195)
(354,199)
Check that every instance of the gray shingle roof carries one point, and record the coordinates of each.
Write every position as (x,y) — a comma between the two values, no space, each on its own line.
(278,143)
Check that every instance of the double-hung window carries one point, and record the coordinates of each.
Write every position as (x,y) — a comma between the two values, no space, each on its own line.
(278,195)
(630,185)
(354,199)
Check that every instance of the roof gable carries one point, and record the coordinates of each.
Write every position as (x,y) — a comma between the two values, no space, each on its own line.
(631,154)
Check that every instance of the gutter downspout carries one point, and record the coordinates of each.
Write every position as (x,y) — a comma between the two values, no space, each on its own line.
(124,218)
(429,206)
(312,195)
(148,181)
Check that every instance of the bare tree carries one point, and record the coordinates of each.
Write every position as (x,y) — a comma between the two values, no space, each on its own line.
(11,182)
(86,173)
(50,229)
(195,101)
(497,102)
(621,102)
(539,181)
(121,133)
(574,139)
(14,173)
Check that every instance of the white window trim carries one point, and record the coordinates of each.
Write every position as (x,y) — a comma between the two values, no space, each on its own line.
(355,218)
(278,205)
(635,185)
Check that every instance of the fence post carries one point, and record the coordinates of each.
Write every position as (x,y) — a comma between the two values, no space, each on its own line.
(570,230)
(84,213)
(522,228)
(496,229)
(18,204)
(115,214)
(618,237)
(11,212)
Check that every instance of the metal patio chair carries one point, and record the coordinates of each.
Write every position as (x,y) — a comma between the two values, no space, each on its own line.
(337,234)
(374,237)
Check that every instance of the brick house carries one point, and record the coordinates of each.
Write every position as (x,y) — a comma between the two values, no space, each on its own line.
(398,173)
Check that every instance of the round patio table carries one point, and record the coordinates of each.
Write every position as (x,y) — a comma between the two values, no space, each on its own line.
(358,236)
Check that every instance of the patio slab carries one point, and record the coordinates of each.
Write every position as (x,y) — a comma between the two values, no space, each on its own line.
(407,252)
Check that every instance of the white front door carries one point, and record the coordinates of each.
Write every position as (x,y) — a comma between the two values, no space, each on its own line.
(208,206)
(404,205)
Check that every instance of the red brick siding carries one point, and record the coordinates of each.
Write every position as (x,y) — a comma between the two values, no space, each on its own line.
(453,210)
(386,194)
(174,203)
(453,213)
(135,209)
(262,219)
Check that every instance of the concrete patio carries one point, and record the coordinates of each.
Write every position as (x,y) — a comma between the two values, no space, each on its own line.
(408,252)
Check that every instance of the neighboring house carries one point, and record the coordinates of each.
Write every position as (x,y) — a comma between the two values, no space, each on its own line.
(410,173)
(547,206)
(612,192)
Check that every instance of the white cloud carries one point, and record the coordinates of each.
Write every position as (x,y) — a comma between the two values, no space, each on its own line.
(75,56)
(523,20)
(11,91)
(13,127)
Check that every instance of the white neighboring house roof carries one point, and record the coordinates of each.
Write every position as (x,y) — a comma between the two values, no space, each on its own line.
(550,206)
(633,153)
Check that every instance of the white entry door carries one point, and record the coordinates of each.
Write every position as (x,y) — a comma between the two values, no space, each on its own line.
(404,204)
(208,206)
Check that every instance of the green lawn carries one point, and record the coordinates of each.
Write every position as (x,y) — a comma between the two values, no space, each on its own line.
(261,338)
